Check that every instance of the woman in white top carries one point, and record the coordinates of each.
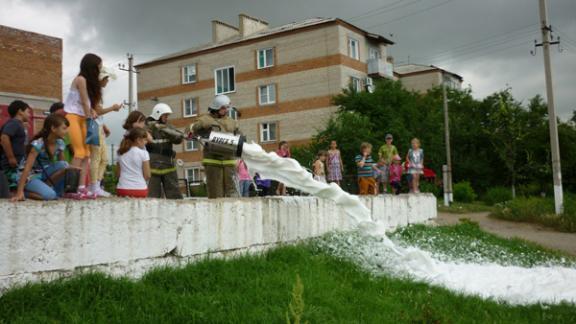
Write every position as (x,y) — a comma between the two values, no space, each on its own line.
(83,102)
(133,168)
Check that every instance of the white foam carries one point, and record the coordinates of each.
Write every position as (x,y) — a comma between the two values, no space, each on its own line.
(512,284)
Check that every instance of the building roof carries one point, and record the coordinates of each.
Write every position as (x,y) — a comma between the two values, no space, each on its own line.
(409,69)
(262,34)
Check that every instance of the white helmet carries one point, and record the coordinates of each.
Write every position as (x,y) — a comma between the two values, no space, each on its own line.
(219,102)
(159,110)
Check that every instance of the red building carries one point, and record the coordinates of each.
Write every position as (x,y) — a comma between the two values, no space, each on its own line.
(31,66)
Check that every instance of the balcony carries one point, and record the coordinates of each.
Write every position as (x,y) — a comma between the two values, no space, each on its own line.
(380,68)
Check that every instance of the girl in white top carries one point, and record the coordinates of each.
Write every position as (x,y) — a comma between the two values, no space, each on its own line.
(133,168)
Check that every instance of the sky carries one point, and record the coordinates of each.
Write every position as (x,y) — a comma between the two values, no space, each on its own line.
(487,42)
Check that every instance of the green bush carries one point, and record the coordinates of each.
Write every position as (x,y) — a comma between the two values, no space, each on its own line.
(497,195)
(110,180)
(539,210)
(198,190)
(529,189)
(431,188)
(463,192)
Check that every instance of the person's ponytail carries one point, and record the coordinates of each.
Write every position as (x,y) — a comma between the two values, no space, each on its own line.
(130,139)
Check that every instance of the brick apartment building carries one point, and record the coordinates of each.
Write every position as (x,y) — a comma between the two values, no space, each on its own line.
(31,66)
(422,78)
(280,79)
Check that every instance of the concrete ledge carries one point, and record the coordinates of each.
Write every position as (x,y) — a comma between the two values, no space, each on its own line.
(48,240)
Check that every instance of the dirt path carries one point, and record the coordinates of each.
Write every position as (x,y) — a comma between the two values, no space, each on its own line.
(549,238)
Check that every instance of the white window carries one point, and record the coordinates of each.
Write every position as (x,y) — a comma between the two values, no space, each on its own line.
(267,94)
(356,84)
(265,58)
(225,80)
(374,53)
(353,48)
(193,176)
(191,145)
(189,74)
(190,107)
(268,132)
(233,114)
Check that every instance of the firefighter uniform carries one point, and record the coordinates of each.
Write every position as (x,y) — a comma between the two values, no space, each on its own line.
(164,176)
(220,169)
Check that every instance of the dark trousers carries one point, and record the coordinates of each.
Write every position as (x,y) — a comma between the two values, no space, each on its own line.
(167,183)
(4,190)
(220,181)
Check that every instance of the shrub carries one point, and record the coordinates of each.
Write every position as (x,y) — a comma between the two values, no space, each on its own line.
(529,189)
(431,188)
(497,195)
(463,192)
(110,180)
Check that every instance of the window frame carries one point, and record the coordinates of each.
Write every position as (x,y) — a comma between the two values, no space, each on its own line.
(228,67)
(373,49)
(233,114)
(267,87)
(184,75)
(194,182)
(353,84)
(357,48)
(195,102)
(193,149)
(272,55)
(262,131)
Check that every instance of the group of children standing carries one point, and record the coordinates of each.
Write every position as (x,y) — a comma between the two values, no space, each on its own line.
(374,176)
(71,145)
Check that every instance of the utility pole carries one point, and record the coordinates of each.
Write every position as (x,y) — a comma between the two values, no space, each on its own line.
(448,198)
(555,147)
(131,72)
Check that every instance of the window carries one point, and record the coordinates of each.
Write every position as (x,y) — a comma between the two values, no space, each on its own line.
(267,132)
(353,48)
(225,80)
(190,107)
(189,74)
(193,176)
(374,53)
(265,58)
(191,145)
(233,114)
(267,94)
(355,83)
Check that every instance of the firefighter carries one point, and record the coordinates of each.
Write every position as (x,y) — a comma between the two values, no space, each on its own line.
(219,168)
(164,176)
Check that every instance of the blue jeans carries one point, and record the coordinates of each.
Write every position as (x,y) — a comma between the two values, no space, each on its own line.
(41,187)
(245,188)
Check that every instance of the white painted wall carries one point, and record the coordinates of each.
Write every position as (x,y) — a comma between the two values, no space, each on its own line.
(48,240)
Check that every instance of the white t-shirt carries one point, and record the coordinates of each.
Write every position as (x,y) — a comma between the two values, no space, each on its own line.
(131,162)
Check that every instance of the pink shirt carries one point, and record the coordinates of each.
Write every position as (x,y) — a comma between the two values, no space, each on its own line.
(395,172)
(243,173)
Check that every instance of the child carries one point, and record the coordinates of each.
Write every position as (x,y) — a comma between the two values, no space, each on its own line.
(263,185)
(283,151)
(13,142)
(396,174)
(43,174)
(99,153)
(319,168)
(415,158)
(244,178)
(366,169)
(133,165)
(385,155)
(334,163)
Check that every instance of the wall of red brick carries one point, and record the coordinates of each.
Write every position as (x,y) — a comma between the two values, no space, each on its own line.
(31,63)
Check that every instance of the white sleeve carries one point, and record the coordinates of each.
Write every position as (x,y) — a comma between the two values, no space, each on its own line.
(144,155)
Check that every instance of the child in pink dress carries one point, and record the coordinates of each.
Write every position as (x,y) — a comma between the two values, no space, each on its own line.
(395,175)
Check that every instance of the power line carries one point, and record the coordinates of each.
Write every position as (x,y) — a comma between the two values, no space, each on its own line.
(412,14)
(382,10)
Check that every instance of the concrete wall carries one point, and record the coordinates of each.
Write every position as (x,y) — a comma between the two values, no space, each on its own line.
(48,240)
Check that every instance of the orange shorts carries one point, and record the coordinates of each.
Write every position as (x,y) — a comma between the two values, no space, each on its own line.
(366,186)
(77,131)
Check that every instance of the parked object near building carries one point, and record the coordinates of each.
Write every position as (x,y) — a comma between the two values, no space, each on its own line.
(281,79)
(35,78)
(421,78)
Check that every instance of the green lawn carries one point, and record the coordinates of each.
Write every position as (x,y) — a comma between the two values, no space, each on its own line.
(464,208)
(258,289)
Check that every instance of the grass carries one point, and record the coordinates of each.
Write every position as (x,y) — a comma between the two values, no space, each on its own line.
(464,208)
(540,211)
(302,281)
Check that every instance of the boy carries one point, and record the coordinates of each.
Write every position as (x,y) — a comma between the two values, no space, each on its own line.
(13,141)
(366,168)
